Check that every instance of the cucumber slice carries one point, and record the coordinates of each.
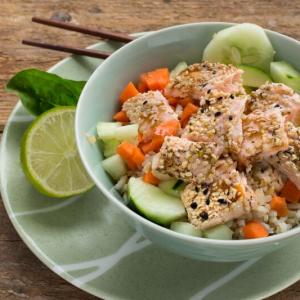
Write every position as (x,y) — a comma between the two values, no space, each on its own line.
(254,77)
(110,147)
(245,44)
(283,72)
(220,232)
(105,130)
(114,166)
(153,203)
(114,131)
(186,228)
(178,69)
(167,187)
(172,187)
(127,133)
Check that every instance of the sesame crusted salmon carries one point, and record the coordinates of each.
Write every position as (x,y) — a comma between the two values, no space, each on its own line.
(264,135)
(220,123)
(205,80)
(288,161)
(187,160)
(148,110)
(226,198)
(277,95)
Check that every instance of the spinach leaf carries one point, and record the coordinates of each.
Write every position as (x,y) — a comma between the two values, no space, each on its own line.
(40,91)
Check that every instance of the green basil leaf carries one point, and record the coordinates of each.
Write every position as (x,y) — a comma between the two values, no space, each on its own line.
(40,91)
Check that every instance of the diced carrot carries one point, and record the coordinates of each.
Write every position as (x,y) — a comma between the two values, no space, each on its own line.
(121,117)
(154,145)
(138,156)
(167,128)
(139,138)
(131,165)
(185,101)
(142,86)
(131,154)
(188,111)
(150,178)
(172,100)
(254,230)
(125,150)
(155,80)
(279,205)
(290,192)
(128,92)
(147,147)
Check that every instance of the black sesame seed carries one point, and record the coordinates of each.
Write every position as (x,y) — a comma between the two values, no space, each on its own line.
(202,110)
(218,113)
(204,185)
(277,105)
(204,215)
(207,201)
(220,98)
(231,97)
(208,92)
(214,72)
(230,118)
(145,102)
(194,205)
(205,191)
(207,102)
(197,189)
(262,170)
(222,201)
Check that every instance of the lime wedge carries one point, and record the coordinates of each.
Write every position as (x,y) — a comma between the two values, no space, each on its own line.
(49,155)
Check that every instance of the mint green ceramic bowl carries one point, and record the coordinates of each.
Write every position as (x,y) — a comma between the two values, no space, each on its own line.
(99,101)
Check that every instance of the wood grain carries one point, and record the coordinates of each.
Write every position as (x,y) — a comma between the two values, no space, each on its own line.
(22,276)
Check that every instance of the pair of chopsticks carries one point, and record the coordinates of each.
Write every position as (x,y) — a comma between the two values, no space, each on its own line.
(120,37)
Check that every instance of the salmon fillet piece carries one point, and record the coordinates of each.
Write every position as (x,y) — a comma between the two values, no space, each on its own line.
(148,110)
(226,198)
(206,80)
(264,135)
(288,161)
(220,123)
(187,160)
(276,95)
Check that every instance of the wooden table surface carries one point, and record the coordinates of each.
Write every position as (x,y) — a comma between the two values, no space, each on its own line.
(22,275)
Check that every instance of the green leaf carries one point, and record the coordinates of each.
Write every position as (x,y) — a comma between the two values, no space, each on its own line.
(40,91)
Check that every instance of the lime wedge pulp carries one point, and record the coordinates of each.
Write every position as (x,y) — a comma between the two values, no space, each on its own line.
(49,155)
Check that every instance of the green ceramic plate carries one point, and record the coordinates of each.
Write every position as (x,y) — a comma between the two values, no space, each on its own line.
(88,243)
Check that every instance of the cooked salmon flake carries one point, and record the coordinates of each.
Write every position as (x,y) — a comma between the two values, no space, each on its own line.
(148,110)
(206,82)
(279,96)
(220,123)
(288,161)
(187,160)
(264,135)
(211,204)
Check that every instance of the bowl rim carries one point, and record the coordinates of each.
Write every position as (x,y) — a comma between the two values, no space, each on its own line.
(125,209)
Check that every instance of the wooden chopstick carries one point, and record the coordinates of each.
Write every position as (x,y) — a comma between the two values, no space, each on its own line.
(115,36)
(73,50)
